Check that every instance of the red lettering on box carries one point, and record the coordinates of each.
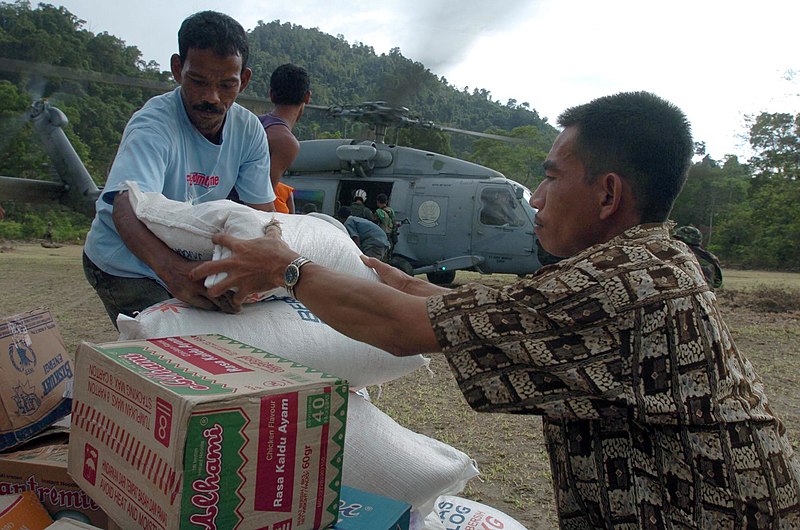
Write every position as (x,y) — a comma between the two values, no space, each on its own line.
(277,440)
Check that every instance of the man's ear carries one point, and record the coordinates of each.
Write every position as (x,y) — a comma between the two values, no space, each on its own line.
(247,74)
(176,67)
(307,97)
(611,190)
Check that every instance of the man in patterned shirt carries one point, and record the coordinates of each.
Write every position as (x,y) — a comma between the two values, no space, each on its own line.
(652,417)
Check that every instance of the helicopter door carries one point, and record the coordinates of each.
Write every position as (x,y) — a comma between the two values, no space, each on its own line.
(372,188)
(502,231)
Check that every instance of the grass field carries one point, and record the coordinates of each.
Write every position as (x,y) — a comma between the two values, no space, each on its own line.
(762,309)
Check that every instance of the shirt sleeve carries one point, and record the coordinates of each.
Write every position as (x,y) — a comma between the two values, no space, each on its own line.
(537,347)
(142,157)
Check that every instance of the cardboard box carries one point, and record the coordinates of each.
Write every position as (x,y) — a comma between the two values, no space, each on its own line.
(360,510)
(206,432)
(23,511)
(34,370)
(43,470)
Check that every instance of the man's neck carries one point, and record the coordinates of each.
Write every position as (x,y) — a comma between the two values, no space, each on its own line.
(288,113)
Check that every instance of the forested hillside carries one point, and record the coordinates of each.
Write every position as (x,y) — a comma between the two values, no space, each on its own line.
(749,211)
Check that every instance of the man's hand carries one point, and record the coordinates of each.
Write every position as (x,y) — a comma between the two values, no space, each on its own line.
(176,278)
(255,265)
(394,277)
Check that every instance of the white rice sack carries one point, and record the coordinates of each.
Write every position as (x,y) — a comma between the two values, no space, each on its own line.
(456,512)
(188,229)
(312,237)
(385,458)
(280,326)
(184,227)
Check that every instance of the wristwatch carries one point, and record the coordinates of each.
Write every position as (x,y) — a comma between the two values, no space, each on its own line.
(292,274)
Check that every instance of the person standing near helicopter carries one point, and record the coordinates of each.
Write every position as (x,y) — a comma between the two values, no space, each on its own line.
(290,91)
(174,146)
(359,208)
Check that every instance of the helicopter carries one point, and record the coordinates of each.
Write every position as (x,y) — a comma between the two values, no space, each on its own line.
(452,214)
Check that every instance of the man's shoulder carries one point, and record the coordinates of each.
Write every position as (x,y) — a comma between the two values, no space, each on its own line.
(158,113)
(282,138)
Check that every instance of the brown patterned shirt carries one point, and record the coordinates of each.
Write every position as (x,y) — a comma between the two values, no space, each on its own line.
(652,417)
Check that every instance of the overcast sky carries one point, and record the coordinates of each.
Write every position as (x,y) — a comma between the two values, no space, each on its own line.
(717,60)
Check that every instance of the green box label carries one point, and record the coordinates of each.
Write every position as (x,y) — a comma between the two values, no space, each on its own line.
(214,448)
(318,410)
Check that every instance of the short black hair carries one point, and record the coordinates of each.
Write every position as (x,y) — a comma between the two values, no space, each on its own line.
(289,84)
(343,213)
(382,198)
(641,137)
(214,30)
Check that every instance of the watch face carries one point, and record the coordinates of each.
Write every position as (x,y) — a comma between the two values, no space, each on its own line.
(291,275)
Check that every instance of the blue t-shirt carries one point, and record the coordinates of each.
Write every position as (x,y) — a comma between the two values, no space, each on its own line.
(369,234)
(163,152)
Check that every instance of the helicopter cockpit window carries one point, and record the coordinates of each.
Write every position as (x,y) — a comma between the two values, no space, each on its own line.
(499,207)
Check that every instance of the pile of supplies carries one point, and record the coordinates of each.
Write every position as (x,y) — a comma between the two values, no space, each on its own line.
(203,419)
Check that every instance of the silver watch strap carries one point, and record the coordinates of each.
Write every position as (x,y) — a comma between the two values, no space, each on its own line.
(298,262)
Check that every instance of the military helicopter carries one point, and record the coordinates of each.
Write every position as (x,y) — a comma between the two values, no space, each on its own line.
(453,214)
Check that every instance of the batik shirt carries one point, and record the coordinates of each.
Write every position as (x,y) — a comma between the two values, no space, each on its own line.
(652,417)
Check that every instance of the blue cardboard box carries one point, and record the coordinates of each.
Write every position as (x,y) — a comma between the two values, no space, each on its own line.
(359,510)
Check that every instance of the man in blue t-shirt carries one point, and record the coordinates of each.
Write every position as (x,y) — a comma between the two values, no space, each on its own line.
(369,237)
(193,144)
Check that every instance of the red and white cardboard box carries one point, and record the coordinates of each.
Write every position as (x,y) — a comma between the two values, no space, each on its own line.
(206,432)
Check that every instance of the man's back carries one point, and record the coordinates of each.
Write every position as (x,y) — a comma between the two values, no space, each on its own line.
(650,412)
(369,233)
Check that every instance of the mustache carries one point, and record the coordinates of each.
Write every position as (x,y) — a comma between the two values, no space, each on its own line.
(207,107)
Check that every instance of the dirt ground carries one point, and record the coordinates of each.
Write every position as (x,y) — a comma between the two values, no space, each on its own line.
(509,451)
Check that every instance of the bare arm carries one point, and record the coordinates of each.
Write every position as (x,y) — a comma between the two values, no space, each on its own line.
(172,268)
(283,149)
(264,207)
(370,312)
(290,203)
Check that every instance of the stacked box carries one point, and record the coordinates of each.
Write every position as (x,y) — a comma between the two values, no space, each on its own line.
(34,371)
(43,470)
(206,432)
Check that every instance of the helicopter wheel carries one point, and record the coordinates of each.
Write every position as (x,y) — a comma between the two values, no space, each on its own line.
(403,265)
(441,277)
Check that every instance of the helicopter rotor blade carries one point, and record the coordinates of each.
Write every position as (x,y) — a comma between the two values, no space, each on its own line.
(45,70)
(502,138)
(376,113)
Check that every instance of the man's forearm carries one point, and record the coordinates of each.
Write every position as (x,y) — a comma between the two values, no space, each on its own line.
(136,236)
(367,311)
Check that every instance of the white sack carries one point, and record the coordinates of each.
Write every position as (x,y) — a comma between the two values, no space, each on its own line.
(282,326)
(312,237)
(187,229)
(385,458)
(456,512)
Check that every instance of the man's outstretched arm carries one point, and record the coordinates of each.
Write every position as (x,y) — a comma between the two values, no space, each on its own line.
(370,312)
